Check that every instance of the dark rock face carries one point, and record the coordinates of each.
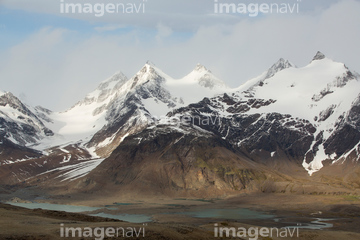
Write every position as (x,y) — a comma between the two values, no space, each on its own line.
(354,114)
(254,132)
(319,56)
(166,161)
(12,152)
(273,132)
(347,134)
(343,140)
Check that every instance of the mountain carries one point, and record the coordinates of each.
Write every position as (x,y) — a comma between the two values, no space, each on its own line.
(20,127)
(145,98)
(118,107)
(249,86)
(288,130)
(301,111)
(19,123)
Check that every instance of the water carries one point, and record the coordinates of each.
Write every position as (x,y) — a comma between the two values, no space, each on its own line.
(133,218)
(113,206)
(56,207)
(231,214)
(318,224)
(124,204)
(244,214)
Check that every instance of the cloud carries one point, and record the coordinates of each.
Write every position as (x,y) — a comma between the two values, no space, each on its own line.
(162,32)
(57,67)
(179,15)
(109,28)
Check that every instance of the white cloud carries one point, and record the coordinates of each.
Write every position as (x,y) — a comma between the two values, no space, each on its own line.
(176,14)
(162,32)
(110,27)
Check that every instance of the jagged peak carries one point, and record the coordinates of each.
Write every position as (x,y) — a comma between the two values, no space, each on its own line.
(42,109)
(103,90)
(10,96)
(149,73)
(280,65)
(150,63)
(319,56)
(115,77)
(200,68)
(149,67)
(110,82)
(204,78)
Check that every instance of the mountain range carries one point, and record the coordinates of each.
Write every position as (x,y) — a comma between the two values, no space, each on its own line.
(291,129)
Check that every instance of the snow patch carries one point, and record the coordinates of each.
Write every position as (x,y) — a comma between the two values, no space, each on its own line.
(316,164)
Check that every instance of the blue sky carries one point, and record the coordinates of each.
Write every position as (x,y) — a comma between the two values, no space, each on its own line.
(54,59)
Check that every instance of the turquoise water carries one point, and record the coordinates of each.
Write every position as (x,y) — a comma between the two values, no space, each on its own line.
(233,214)
(228,214)
(123,204)
(133,218)
(112,206)
(55,207)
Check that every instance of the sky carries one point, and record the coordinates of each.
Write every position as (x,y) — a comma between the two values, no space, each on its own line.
(53,57)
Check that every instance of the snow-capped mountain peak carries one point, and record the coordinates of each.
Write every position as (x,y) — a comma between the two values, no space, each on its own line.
(319,56)
(111,82)
(250,86)
(150,63)
(280,65)
(105,89)
(200,68)
(19,122)
(148,73)
(321,93)
(204,78)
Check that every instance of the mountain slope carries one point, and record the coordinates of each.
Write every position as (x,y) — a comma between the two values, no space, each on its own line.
(166,161)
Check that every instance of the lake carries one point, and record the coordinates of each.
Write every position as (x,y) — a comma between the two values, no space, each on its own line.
(231,214)
(133,218)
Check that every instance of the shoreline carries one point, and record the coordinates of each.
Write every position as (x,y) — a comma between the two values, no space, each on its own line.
(288,210)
